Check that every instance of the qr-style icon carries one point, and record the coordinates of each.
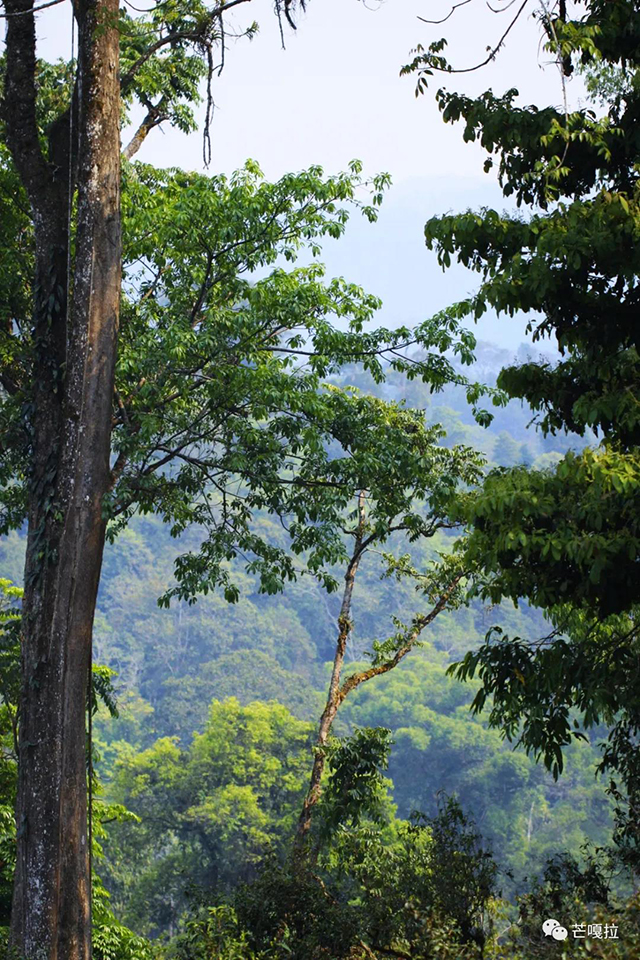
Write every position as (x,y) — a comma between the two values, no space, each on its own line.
(551,928)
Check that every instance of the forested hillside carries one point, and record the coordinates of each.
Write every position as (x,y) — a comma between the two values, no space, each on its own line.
(183,672)
(319,623)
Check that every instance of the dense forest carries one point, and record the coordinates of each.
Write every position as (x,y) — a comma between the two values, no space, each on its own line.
(186,671)
(318,638)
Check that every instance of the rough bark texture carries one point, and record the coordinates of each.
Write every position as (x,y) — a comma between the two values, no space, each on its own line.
(69,423)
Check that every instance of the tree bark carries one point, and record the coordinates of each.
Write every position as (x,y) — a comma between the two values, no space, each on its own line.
(155,116)
(69,425)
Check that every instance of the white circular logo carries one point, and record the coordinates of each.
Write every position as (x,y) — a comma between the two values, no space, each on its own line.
(551,928)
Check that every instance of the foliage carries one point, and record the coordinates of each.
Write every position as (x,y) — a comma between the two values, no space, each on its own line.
(10,596)
(465,871)
(383,897)
(546,695)
(212,421)
(213,932)
(111,940)
(524,814)
(233,423)
(297,631)
(254,329)
(247,675)
(576,531)
(580,896)
(222,408)
(436,873)
(565,537)
(563,882)
(209,814)
(355,788)
(297,915)
(571,264)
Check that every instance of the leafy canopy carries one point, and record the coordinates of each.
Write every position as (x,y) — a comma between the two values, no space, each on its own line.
(566,538)
(222,405)
(572,268)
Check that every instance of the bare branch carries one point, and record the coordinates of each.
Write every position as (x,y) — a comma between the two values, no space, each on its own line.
(25,13)
(498,46)
(492,52)
(450,14)
(333,696)
(503,10)
(420,623)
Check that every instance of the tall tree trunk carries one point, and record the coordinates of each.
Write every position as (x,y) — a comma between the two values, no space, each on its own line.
(333,696)
(70,427)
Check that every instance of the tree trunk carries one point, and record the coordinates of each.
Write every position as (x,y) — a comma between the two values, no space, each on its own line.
(70,427)
(333,696)
(339,691)
(324,729)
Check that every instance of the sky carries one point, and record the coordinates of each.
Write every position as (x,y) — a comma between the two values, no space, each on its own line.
(333,94)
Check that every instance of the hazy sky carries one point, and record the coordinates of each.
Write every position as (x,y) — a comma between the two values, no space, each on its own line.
(334,94)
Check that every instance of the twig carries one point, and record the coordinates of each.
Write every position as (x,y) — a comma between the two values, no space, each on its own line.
(31,10)
(493,51)
(450,14)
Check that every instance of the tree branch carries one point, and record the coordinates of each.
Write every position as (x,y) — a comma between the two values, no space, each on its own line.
(450,14)
(419,625)
(156,115)
(8,384)
(492,50)
(333,695)
(204,288)
(498,46)
(195,36)
(25,13)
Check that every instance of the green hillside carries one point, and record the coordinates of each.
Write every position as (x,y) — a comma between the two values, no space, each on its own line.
(180,669)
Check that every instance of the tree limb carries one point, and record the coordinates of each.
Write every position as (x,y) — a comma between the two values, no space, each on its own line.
(156,115)
(333,696)
(419,625)
(492,50)
(196,35)
(25,13)
(450,14)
